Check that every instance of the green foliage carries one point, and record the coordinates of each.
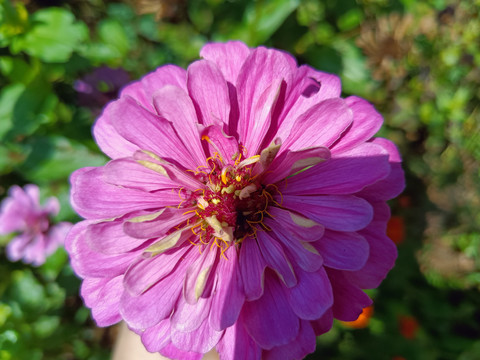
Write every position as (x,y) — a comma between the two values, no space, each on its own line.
(52,35)
(417,61)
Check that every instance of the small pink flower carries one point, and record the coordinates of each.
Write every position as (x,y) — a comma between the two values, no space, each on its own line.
(244,207)
(37,237)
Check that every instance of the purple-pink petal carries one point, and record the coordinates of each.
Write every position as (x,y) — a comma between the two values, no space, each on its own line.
(143,90)
(252,268)
(343,250)
(209,92)
(366,122)
(229,294)
(335,212)
(348,173)
(332,116)
(236,344)
(312,296)
(229,57)
(270,320)
(349,300)
(101,295)
(303,344)
(174,104)
(95,199)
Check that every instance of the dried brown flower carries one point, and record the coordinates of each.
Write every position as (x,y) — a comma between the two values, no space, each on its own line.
(386,42)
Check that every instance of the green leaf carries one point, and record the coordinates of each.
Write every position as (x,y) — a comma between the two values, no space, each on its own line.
(45,326)
(8,98)
(24,108)
(13,21)
(55,158)
(53,36)
(350,20)
(27,290)
(263,18)
(17,70)
(111,32)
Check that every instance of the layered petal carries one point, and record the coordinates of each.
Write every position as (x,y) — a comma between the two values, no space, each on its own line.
(335,212)
(270,320)
(348,173)
(93,198)
(209,92)
(229,57)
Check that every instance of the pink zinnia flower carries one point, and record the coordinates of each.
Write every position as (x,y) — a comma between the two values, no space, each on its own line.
(243,209)
(37,237)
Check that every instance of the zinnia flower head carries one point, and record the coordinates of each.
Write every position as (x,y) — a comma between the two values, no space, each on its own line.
(243,208)
(37,237)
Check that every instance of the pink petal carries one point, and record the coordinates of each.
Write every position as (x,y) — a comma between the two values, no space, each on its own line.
(304,344)
(175,105)
(343,250)
(229,57)
(383,251)
(335,212)
(101,295)
(92,198)
(15,210)
(308,259)
(229,296)
(150,132)
(89,263)
(187,318)
(209,92)
(157,337)
(270,320)
(312,296)
(17,246)
(349,300)
(146,271)
(128,173)
(154,305)
(197,275)
(176,174)
(252,267)
(142,91)
(332,116)
(394,183)
(201,340)
(226,146)
(108,139)
(259,119)
(159,226)
(298,226)
(324,324)
(290,162)
(366,122)
(275,258)
(260,70)
(236,344)
(347,174)
(308,87)
(172,352)
(109,238)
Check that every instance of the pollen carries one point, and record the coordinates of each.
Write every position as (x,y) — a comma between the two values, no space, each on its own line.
(233,204)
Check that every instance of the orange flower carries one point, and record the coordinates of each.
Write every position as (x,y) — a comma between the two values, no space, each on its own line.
(362,320)
(408,326)
(396,229)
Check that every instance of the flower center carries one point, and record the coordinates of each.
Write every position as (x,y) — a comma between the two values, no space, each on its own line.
(234,203)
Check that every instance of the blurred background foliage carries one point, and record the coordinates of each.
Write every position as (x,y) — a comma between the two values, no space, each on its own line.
(417,61)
